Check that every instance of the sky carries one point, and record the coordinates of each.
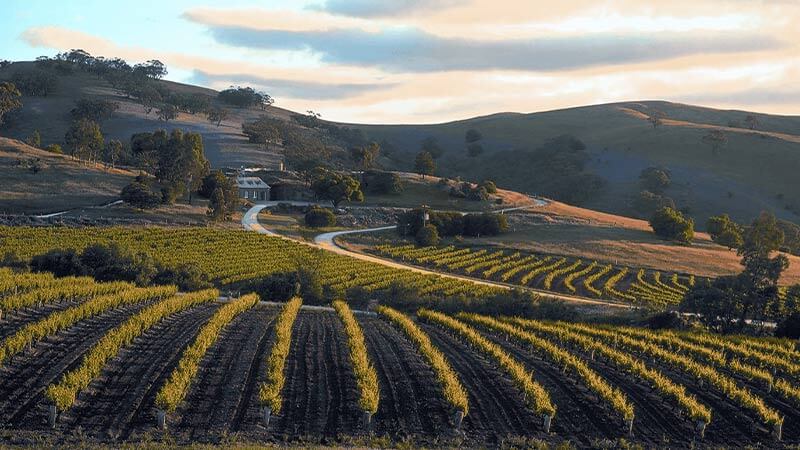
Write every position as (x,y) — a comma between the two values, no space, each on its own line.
(431,61)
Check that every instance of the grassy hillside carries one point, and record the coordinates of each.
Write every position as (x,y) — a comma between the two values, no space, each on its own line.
(755,170)
(224,145)
(59,183)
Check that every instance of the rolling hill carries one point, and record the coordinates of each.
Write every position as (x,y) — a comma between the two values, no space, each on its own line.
(754,171)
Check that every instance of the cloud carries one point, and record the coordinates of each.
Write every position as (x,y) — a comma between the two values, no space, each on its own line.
(748,97)
(383,8)
(412,50)
(298,89)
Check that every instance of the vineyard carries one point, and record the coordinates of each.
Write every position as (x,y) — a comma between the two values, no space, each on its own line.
(112,362)
(551,273)
(231,257)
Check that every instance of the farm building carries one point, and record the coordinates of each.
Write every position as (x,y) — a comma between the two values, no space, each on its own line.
(253,189)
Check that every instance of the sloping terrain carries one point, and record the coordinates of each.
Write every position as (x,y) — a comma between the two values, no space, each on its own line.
(755,170)
(225,145)
(59,183)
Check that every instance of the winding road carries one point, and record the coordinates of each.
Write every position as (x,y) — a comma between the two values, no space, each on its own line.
(327,241)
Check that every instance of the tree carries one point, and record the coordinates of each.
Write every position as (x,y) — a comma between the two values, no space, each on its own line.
(472,138)
(84,140)
(35,83)
(380,182)
(648,203)
(489,186)
(216,205)
(751,121)
(217,115)
(430,145)
(670,224)
(95,110)
(424,164)
(655,180)
(35,140)
(427,236)
(365,156)
(717,139)
(167,112)
(245,97)
(113,152)
(335,186)
(9,99)
(729,302)
(472,135)
(55,148)
(154,69)
(216,180)
(474,150)
(182,163)
(724,231)
(319,218)
(656,118)
(139,195)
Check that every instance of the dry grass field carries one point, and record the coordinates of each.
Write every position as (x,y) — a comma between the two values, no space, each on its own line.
(61,183)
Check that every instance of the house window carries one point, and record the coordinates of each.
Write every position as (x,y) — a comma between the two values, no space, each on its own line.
(246,194)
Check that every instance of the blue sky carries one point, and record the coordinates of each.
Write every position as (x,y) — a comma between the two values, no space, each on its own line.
(435,60)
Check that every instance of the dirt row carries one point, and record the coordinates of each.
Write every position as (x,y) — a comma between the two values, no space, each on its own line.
(321,397)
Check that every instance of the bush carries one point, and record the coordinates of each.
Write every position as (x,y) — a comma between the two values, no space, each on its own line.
(94,110)
(278,287)
(454,224)
(648,202)
(35,83)
(667,320)
(789,327)
(380,182)
(188,277)
(171,192)
(13,261)
(114,263)
(427,236)
(60,262)
(490,187)
(486,224)
(655,180)
(55,148)
(672,225)
(724,231)
(319,218)
(139,195)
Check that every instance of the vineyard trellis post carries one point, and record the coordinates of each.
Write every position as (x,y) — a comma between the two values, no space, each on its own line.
(459,417)
(161,419)
(266,414)
(53,415)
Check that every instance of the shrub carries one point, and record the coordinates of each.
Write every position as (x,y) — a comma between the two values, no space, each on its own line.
(648,202)
(427,236)
(724,231)
(654,179)
(486,224)
(672,225)
(55,148)
(188,277)
(489,185)
(60,262)
(13,261)
(380,182)
(789,327)
(35,83)
(139,195)
(320,217)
